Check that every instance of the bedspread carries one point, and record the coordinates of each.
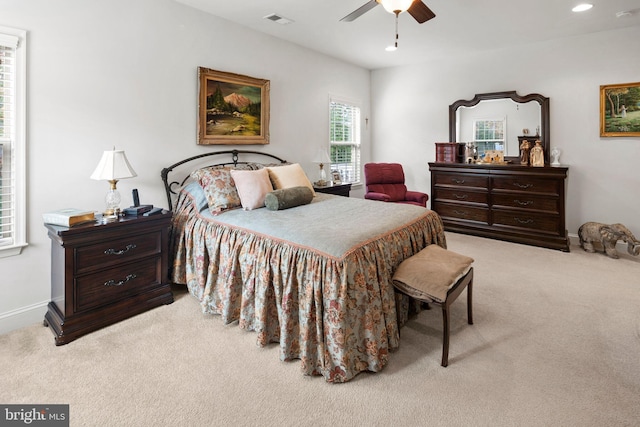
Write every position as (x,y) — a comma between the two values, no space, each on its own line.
(316,278)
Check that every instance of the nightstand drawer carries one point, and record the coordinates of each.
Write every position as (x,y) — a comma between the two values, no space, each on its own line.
(111,285)
(109,252)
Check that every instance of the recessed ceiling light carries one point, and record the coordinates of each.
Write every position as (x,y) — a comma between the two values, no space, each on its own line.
(391,48)
(582,7)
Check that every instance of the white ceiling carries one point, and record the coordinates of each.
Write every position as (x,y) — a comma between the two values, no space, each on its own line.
(460,26)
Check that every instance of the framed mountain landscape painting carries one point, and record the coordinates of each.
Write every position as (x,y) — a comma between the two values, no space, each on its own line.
(620,110)
(232,108)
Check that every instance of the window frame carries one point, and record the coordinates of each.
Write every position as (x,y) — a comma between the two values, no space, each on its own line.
(484,144)
(17,142)
(355,165)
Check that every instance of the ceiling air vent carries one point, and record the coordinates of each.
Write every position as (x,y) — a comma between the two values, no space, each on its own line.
(278,19)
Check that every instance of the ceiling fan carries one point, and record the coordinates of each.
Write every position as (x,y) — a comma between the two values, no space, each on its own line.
(416,8)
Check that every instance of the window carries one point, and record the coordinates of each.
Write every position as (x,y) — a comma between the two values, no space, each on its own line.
(344,134)
(12,141)
(489,135)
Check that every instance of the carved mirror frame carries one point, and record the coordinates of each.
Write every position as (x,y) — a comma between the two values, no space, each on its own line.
(544,115)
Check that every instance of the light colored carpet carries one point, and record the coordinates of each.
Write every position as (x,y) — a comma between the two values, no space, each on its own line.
(556,342)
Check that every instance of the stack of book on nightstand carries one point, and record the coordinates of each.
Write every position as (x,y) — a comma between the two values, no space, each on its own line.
(68,217)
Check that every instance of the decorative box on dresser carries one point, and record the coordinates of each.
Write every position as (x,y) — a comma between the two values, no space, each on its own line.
(102,273)
(510,202)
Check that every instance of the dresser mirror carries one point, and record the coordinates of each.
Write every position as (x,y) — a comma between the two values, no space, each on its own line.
(499,121)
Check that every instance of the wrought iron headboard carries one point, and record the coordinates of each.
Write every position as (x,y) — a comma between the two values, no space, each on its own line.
(169,186)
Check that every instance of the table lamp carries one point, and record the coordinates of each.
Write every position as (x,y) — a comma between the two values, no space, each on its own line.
(321,158)
(113,166)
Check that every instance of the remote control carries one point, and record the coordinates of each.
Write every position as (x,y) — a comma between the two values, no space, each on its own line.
(152,212)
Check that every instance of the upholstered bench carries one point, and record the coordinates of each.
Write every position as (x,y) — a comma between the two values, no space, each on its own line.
(437,276)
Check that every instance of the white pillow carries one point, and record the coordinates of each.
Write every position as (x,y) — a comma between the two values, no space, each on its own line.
(289,176)
(252,186)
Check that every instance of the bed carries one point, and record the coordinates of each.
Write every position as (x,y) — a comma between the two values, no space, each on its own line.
(315,278)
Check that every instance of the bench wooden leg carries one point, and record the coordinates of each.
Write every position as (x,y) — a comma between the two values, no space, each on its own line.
(445,336)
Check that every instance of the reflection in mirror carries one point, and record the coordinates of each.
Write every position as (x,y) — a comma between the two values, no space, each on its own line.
(495,124)
(499,120)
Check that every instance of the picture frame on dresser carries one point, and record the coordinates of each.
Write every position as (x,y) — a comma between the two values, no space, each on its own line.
(620,110)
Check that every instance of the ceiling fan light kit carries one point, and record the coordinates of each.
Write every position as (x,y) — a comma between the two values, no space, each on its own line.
(396,6)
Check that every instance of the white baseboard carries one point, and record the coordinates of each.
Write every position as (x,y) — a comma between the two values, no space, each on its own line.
(21,317)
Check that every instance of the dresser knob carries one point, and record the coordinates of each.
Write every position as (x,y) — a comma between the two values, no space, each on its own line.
(525,203)
(460,196)
(457,181)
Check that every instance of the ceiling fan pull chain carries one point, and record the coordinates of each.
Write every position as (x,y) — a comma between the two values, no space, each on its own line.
(397,13)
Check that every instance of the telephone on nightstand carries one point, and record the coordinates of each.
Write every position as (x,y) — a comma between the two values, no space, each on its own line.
(139,210)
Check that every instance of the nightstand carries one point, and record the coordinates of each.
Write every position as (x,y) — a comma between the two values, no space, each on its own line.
(102,273)
(337,189)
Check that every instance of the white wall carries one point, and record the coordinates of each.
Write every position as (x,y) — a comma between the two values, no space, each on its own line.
(123,73)
(410,113)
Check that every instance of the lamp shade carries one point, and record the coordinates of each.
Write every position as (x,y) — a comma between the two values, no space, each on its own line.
(321,156)
(113,166)
(392,6)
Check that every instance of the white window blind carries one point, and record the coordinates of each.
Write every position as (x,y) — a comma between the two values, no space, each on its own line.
(489,134)
(344,131)
(12,201)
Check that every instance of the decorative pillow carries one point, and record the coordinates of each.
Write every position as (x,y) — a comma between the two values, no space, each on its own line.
(289,176)
(288,198)
(252,186)
(219,188)
(430,273)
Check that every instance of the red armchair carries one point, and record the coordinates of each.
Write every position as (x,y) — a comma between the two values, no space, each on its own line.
(385,182)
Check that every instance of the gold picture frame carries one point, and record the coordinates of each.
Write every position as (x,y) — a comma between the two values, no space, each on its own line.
(620,110)
(232,108)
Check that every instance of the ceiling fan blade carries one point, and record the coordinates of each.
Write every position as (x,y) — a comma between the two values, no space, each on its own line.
(420,12)
(360,11)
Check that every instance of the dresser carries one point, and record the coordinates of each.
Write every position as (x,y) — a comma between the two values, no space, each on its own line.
(510,202)
(102,273)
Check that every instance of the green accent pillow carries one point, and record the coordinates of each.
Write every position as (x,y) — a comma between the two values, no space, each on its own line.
(288,198)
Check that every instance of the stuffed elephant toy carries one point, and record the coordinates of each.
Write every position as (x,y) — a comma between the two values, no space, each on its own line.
(608,236)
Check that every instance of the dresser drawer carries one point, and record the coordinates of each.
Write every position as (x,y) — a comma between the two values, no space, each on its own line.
(461,180)
(460,211)
(461,195)
(526,201)
(113,284)
(527,184)
(109,252)
(529,220)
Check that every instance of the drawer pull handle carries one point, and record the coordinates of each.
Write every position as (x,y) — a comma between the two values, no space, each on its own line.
(525,203)
(460,196)
(523,186)
(461,213)
(457,181)
(120,252)
(524,221)
(121,282)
